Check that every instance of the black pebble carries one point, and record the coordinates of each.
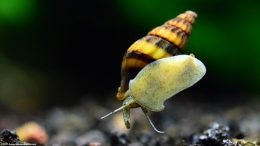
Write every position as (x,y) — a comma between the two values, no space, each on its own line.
(215,135)
(10,137)
(119,140)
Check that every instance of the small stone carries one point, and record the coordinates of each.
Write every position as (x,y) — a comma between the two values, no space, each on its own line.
(9,137)
(119,140)
(91,137)
(94,144)
(32,132)
(162,140)
(215,135)
(135,144)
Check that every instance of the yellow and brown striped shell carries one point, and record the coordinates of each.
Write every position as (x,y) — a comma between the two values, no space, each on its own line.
(163,41)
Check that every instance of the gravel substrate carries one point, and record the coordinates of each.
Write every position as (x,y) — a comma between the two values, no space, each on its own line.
(185,123)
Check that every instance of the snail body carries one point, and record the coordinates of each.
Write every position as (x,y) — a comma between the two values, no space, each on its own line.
(163,79)
(153,70)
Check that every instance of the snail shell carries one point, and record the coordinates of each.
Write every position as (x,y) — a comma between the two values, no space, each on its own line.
(152,70)
(163,41)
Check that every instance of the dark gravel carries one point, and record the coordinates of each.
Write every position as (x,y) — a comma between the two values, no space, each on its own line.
(10,137)
(186,123)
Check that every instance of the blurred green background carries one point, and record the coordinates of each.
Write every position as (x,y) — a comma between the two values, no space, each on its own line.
(52,52)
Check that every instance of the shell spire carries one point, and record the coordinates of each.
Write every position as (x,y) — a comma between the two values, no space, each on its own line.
(177,29)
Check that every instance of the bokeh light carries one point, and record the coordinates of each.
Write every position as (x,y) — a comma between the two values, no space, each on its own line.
(16,11)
